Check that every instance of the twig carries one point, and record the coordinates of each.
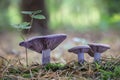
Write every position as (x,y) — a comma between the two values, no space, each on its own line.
(4,70)
(4,59)
(8,65)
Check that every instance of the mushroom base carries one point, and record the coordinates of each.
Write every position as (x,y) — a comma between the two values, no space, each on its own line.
(45,56)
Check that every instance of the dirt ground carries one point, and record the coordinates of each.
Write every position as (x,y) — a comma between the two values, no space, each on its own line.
(10,49)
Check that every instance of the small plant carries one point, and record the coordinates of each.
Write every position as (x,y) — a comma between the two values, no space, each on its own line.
(28,25)
(33,15)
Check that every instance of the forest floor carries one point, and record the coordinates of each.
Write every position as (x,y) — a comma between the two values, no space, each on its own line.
(63,65)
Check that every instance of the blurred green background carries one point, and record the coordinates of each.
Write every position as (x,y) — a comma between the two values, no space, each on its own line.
(78,15)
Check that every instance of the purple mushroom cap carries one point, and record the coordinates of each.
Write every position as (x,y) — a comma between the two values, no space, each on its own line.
(97,48)
(39,43)
(81,49)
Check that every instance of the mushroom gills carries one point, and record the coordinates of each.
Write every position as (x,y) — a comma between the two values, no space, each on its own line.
(45,56)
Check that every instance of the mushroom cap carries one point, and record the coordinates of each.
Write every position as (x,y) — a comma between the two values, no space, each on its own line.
(80,49)
(97,48)
(39,43)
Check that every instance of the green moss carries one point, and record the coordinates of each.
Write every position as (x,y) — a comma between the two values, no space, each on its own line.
(54,66)
(26,75)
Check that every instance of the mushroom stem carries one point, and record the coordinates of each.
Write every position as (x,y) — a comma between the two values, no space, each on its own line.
(45,56)
(81,58)
(97,57)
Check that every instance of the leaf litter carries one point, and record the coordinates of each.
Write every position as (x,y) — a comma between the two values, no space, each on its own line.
(14,70)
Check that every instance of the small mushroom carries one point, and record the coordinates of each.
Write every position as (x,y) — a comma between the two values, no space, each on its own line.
(97,49)
(44,45)
(80,50)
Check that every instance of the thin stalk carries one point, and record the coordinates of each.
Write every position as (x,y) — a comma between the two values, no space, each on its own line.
(31,22)
(26,51)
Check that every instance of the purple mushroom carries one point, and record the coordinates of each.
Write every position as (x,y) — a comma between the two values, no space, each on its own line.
(80,50)
(97,49)
(44,45)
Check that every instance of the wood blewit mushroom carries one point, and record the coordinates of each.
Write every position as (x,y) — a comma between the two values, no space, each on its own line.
(80,50)
(44,45)
(97,49)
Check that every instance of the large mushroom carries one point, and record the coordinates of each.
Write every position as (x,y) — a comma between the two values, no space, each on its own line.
(80,50)
(97,49)
(44,45)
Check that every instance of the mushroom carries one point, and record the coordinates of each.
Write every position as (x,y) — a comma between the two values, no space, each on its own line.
(97,49)
(80,50)
(44,45)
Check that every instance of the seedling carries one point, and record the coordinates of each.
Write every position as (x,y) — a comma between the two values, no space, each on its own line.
(28,25)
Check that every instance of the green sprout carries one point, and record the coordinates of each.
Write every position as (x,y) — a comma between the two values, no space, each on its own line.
(28,25)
